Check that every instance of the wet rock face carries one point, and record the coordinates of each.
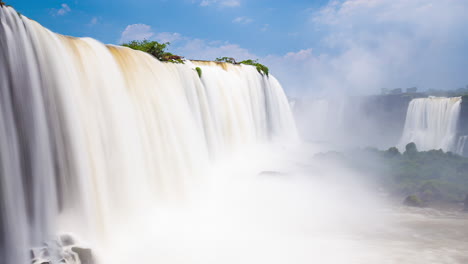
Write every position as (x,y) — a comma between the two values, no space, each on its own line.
(63,250)
(85,255)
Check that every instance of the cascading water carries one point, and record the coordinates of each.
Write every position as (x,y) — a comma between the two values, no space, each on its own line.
(91,135)
(431,123)
(461,145)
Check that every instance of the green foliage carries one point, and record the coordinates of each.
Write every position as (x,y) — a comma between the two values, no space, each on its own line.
(431,175)
(226,59)
(158,50)
(262,69)
(199,71)
(413,200)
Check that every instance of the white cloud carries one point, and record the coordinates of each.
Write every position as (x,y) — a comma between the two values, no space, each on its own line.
(242,20)
(206,50)
(225,3)
(370,44)
(93,21)
(136,32)
(190,48)
(64,10)
(168,37)
(265,27)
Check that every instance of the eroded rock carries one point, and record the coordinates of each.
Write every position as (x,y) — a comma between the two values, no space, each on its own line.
(64,249)
(84,254)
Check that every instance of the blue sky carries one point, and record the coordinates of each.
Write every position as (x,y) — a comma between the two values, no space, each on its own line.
(258,25)
(313,47)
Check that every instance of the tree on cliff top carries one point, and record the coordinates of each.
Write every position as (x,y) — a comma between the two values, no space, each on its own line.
(262,69)
(158,50)
(226,59)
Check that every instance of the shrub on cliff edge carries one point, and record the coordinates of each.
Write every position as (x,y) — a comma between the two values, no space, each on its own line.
(158,50)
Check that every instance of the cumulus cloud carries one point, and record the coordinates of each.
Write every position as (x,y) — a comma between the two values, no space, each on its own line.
(93,21)
(360,46)
(369,44)
(168,37)
(190,48)
(225,3)
(265,27)
(136,32)
(242,20)
(62,11)
(209,50)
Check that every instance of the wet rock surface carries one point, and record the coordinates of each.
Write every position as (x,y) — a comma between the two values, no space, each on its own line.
(63,250)
(85,255)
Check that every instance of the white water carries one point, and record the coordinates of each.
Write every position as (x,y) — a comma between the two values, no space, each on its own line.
(97,138)
(461,145)
(431,123)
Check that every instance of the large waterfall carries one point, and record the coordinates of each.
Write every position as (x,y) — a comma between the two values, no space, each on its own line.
(431,123)
(92,135)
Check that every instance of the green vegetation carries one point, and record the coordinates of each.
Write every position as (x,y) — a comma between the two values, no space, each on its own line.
(158,50)
(413,200)
(199,71)
(430,175)
(226,59)
(262,69)
(2,4)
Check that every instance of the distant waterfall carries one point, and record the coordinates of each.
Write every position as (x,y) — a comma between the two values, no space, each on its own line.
(431,123)
(91,134)
(461,145)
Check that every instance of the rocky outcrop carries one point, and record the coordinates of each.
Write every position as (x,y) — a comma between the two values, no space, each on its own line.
(62,250)
(85,255)
(413,201)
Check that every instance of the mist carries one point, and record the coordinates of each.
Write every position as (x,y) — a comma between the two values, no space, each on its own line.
(364,46)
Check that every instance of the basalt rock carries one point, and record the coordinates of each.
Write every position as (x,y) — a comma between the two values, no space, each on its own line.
(84,254)
(271,173)
(413,201)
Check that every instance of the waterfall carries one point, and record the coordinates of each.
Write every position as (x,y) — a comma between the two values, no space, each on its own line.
(91,134)
(431,123)
(461,145)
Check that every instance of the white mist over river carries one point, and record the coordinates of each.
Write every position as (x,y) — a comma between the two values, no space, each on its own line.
(147,162)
